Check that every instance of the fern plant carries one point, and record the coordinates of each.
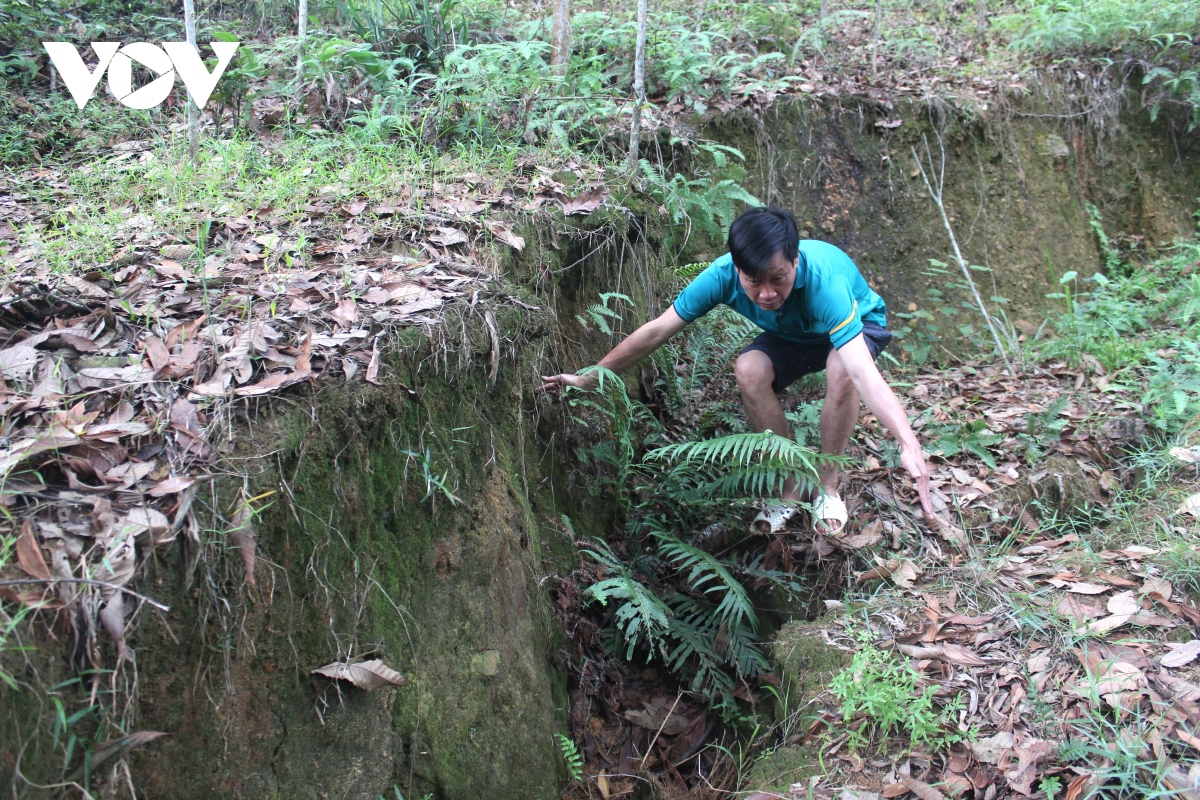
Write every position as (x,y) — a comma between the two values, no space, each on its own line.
(641,616)
(707,575)
(737,465)
(688,365)
(707,634)
(611,413)
(570,754)
(600,313)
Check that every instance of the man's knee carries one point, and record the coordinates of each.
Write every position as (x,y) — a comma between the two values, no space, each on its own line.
(754,372)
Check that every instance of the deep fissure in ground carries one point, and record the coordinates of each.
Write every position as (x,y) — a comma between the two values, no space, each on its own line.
(365,555)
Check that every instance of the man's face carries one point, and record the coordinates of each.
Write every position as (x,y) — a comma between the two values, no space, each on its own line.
(771,292)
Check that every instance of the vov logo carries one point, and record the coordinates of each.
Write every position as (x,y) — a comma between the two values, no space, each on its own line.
(164,61)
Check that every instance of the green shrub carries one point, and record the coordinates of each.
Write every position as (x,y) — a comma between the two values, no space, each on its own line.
(885,691)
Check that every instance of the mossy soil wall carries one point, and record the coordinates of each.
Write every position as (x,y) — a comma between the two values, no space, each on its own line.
(362,554)
(1018,180)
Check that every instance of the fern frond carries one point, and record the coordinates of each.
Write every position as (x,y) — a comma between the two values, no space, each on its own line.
(738,450)
(738,465)
(571,755)
(759,480)
(706,574)
(642,617)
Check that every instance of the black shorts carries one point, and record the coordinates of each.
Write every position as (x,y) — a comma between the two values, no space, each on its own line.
(793,361)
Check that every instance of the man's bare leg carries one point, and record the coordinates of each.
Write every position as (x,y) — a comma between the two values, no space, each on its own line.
(838,417)
(755,373)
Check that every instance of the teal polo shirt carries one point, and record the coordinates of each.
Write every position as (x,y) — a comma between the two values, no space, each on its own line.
(828,305)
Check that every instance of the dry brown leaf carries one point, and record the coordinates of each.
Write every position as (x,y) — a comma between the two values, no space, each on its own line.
(215,386)
(878,572)
(990,749)
(112,617)
(372,375)
(504,233)
(1079,609)
(29,553)
(157,352)
(906,574)
(426,303)
(1075,789)
(585,202)
(346,313)
(956,785)
(1158,588)
(950,653)
(1079,587)
(448,237)
(921,789)
(1183,654)
(367,675)
(1038,663)
(241,536)
(1106,624)
(177,252)
(377,295)
(1190,506)
(944,527)
(1024,773)
(870,535)
(146,519)
(85,288)
(171,485)
(1120,676)
(16,362)
(1123,603)
(274,382)
(1188,455)
(120,558)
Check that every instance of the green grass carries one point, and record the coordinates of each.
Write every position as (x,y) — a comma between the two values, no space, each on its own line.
(109,200)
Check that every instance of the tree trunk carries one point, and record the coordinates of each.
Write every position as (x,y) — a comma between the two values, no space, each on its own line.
(823,10)
(639,87)
(189,26)
(301,34)
(981,23)
(560,38)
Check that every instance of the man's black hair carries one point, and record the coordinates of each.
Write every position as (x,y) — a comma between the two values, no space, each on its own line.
(757,235)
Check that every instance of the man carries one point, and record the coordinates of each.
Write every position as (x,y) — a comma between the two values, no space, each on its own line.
(816,312)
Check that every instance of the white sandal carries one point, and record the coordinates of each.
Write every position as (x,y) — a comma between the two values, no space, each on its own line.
(774,517)
(827,507)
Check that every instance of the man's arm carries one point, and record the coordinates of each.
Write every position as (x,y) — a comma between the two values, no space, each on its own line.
(884,404)
(639,344)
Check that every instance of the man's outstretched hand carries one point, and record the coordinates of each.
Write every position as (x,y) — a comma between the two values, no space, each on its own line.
(913,460)
(554,384)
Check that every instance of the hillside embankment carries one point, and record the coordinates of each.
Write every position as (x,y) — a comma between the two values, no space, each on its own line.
(415,517)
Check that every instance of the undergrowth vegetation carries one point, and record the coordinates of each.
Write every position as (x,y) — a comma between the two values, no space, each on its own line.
(884,689)
(679,587)
(1140,327)
(669,600)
